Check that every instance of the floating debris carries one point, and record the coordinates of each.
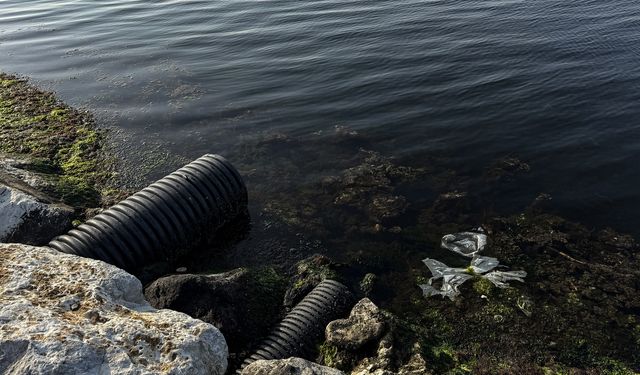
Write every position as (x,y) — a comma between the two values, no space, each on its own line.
(465,243)
(500,278)
(525,304)
(452,278)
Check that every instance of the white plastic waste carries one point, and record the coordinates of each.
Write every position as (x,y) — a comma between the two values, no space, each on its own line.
(483,264)
(465,243)
(453,277)
(500,278)
(439,269)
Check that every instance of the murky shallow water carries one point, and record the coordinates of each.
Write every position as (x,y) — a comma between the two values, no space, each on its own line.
(292,92)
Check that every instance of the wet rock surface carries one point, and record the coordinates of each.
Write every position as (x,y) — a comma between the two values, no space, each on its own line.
(63,314)
(364,325)
(290,366)
(243,303)
(372,341)
(45,142)
(308,274)
(29,219)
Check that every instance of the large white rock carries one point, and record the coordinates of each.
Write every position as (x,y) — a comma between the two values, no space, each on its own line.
(63,314)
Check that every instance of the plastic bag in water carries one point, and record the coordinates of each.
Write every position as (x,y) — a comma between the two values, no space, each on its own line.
(468,244)
(452,277)
(439,269)
(483,264)
(449,288)
(500,278)
(465,243)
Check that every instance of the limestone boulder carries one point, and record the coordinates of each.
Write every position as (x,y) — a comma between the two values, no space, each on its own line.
(63,314)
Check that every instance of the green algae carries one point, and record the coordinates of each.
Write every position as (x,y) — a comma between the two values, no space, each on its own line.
(483,286)
(60,142)
(328,353)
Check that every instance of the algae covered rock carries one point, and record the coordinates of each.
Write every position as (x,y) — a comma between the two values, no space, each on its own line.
(290,366)
(364,324)
(372,341)
(63,314)
(309,273)
(58,142)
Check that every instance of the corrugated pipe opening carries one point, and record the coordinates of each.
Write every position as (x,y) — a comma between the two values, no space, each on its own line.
(152,223)
(298,334)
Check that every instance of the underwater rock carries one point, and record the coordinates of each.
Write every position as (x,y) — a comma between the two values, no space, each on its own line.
(27,219)
(506,168)
(397,351)
(451,207)
(64,314)
(242,303)
(290,366)
(364,325)
(388,206)
(369,186)
(354,199)
(367,283)
(309,273)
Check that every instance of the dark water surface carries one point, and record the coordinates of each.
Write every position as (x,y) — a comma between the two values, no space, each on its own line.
(554,82)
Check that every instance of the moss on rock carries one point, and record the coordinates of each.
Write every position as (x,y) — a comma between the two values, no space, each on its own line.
(59,141)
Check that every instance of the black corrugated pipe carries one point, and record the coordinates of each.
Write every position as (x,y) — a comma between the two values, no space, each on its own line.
(149,225)
(298,334)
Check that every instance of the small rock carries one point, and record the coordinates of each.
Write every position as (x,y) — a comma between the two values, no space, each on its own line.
(181,269)
(290,366)
(364,325)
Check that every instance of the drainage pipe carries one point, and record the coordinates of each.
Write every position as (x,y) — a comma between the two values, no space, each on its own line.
(298,334)
(149,225)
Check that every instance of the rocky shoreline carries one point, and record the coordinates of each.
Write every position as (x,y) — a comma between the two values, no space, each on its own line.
(578,311)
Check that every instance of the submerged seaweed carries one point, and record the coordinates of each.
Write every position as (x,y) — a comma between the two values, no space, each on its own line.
(578,309)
